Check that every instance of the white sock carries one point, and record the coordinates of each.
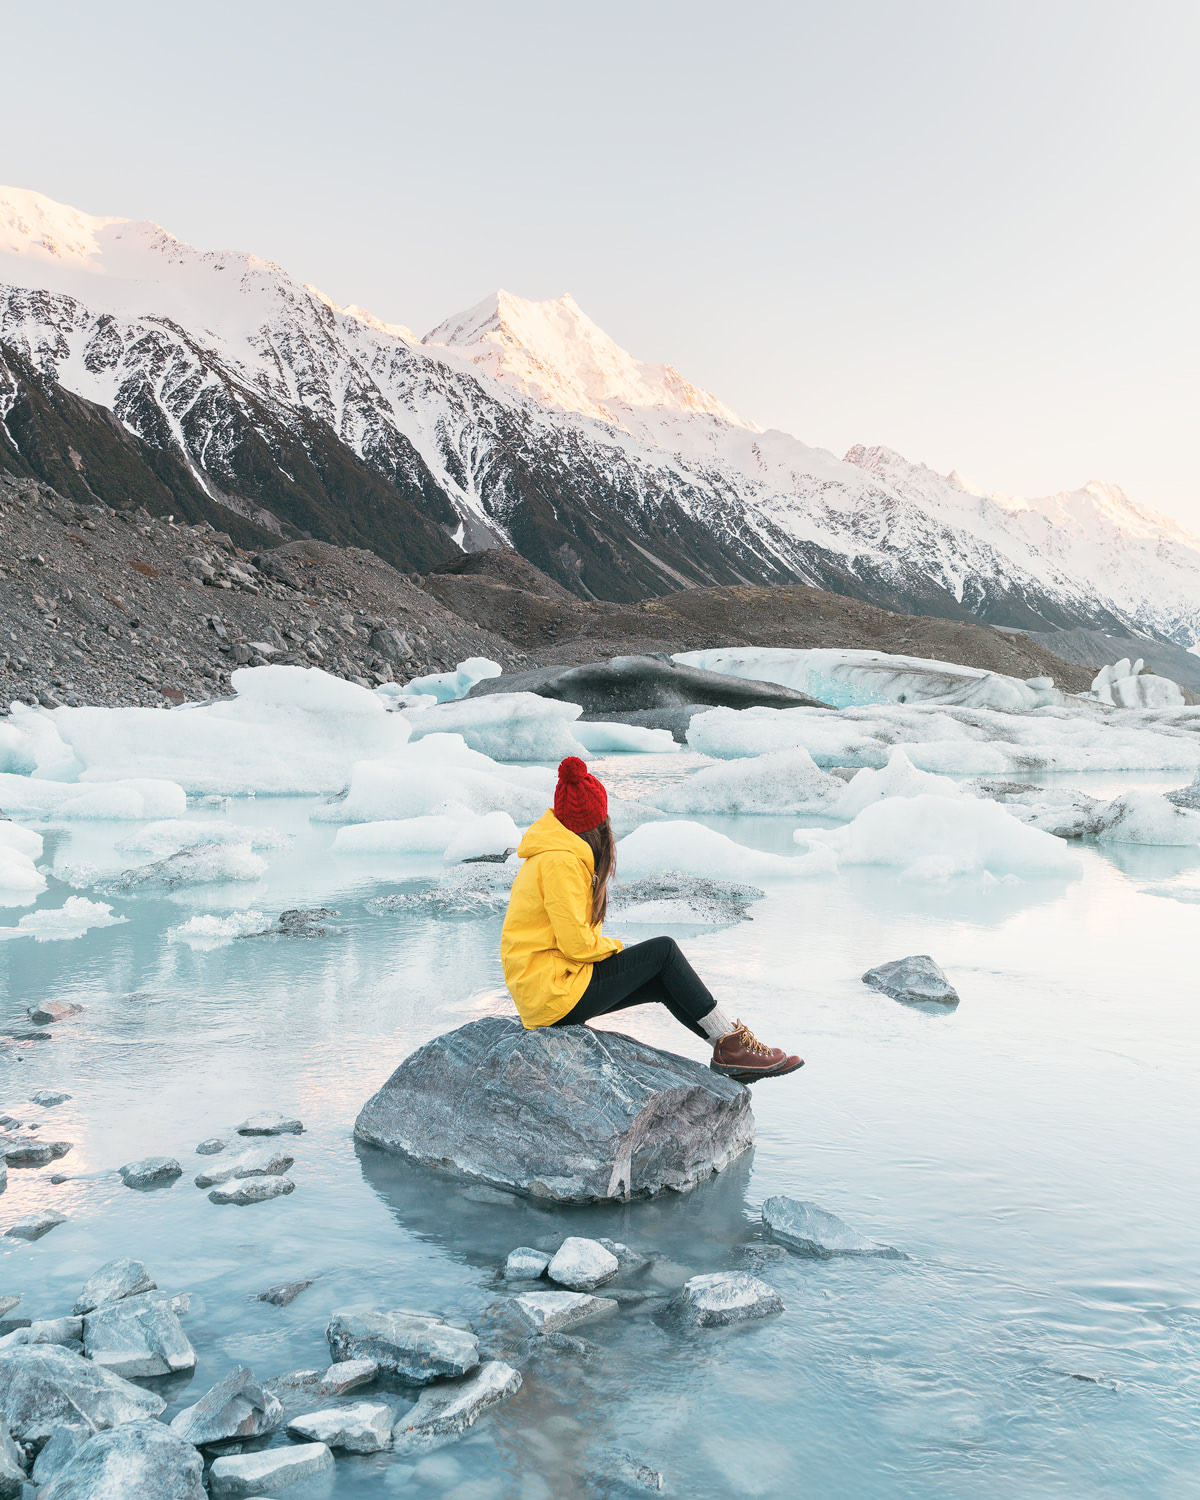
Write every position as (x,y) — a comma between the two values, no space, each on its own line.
(716,1024)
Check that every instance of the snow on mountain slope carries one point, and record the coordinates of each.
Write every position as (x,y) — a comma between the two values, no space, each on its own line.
(523,422)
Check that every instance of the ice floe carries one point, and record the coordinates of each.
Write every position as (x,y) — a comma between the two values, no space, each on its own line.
(210,931)
(20,880)
(76,916)
(781,781)
(455,836)
(695,850)
(126,799)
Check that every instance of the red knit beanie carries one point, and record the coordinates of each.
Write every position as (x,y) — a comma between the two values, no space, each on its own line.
(580,801)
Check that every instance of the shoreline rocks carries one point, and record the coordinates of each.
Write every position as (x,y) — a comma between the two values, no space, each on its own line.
(571,1115)
(414,1346)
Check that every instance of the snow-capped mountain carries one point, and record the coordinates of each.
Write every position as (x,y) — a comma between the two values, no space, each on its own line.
(515,423)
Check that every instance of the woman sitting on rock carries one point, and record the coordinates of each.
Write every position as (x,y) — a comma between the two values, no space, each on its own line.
(562,971)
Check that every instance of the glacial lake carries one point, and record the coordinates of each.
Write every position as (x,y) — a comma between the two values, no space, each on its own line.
(1035,1153)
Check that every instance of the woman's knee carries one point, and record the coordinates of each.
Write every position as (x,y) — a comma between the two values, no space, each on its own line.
(666,950)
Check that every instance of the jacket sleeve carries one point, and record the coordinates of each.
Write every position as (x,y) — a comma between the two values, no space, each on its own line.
(567,895)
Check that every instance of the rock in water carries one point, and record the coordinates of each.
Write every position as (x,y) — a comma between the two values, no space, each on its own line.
(809,1230)
(236,1407)
(43,1386)
(211,1146)
(59,1451)
(113,1281)
(582,1265)
(254,1161)
(347,1375)
(12,1469)
(524,1264)
(33,1226)
(417,1347)
(48,1098)
(137,1458)
(51,1011)
(270,1122)
(284,1294)
(442,1412)
(252,1190)
(365,1428)
(549,1312)
(721,1298)
(138,1336)
(914,980)
(151,1172)
(571,1114)
(245,1474)
(629,1262)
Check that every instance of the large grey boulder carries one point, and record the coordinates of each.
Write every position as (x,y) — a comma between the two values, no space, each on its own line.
(915,979)
(236,1407)
(721,1298)
(138,1336)
(135,1459)
(417,1347)
(115,1280)
(244,1474)
(571,1114)
(442,1412)
(809,1230)
(43,1386)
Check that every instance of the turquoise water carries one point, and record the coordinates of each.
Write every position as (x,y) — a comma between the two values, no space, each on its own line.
(1036,1153)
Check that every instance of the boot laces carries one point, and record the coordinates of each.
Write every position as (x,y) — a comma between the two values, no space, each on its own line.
(750,1041)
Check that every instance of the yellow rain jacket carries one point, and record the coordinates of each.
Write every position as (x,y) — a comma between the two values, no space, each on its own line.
(548,944)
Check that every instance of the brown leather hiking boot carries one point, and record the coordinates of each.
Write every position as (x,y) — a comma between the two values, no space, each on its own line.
(742,1056)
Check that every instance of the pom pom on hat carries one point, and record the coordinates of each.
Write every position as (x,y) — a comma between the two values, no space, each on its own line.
(580,801)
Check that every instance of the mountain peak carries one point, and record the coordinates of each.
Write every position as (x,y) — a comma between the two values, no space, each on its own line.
(553,352)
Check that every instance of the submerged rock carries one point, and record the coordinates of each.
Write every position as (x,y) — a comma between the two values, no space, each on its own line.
(141,1459)
(573,1115)
(524,1264)
(914,979)
(270,1122)
(242,1475)
(33,1226)
(254,1161)
(151,1172)
(138,1336)
(615,1472)
(442,1412)
(111,1283)
(629,1262)
(550,1312)
(365,1428)
(43,1386)
(252,1190)
(48,1098)
(211,1146)
(721,1298)
(809,1230)
(284,1294)
(582,1265)
(52,1010)
(417,1347)
(236,1407)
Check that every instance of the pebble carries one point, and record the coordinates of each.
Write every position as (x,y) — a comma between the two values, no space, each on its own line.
(252,1190)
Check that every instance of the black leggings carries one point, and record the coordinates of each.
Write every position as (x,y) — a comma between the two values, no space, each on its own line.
(649,971)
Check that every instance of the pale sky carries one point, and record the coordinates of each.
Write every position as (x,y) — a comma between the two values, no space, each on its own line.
(967,231)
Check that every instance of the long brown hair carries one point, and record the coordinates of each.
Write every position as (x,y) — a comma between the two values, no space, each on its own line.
(604,860)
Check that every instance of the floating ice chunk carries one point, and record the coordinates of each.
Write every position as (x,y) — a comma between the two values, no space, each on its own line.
(133,798)
(206,932)
(76,916)
(20,880)
(939,838)
(439,778)
(445,687)
(899,778)
(289,730)
(456,835)
(696,850)
(780,782)
(494,833)
(506,726)
(1141,817)
(846,677)
(172,834)
(599,738)
(209,864)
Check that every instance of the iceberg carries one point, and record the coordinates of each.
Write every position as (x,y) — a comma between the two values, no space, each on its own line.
(21,882)
(1124,684)
(446,687)
(899,778)
(436,779)
(940,838)
(506,726)
(599,737)
(130,799)
(1141,817)
(846,677)
(779,782)
(454,836)
(692,849)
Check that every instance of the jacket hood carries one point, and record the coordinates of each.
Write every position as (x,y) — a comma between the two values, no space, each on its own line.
(548,835)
